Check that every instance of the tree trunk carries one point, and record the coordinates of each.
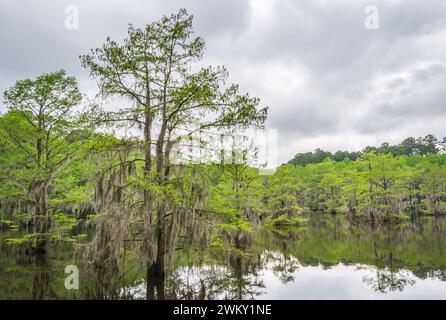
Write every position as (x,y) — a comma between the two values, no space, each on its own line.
(157,267)
(42,223)
(161,242)
(147,205)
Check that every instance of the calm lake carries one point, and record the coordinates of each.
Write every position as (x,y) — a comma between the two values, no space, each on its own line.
(329,258)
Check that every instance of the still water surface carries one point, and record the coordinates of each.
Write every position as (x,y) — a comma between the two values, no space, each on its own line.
(327,259)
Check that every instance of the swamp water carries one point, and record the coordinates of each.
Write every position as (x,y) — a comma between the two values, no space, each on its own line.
(326,259)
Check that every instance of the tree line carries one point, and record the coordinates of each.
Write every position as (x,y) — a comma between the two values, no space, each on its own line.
(374,187)
(409,146)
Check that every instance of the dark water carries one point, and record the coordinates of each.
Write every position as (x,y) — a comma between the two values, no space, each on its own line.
(327,259)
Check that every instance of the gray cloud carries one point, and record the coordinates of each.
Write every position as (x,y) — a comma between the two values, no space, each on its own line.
(34,39)
(328,81)
(421,95)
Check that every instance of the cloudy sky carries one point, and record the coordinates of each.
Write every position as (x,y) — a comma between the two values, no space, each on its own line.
(329,81)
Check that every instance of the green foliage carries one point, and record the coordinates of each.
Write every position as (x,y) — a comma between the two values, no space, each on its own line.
(61,228)
(27,238)
(284,221)
(216,244)
(285,191)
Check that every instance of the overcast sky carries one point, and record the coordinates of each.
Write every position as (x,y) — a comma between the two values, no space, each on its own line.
(329,81)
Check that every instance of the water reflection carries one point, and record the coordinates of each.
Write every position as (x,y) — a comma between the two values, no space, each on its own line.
(339,281)
(240,279)
(388,280)
(327,259)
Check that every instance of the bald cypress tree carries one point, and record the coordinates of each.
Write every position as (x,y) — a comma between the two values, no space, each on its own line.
(167,95)
(39,128)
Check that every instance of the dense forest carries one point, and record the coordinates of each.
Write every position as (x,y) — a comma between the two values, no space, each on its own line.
(69,174)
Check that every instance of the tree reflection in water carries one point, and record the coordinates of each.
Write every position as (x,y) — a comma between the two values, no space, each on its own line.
(375,261)
(239,279)
(387,280)
(392,258)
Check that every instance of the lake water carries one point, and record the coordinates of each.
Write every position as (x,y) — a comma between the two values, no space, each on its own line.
(327,259)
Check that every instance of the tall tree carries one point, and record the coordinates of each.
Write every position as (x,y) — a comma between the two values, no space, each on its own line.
(169,97)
